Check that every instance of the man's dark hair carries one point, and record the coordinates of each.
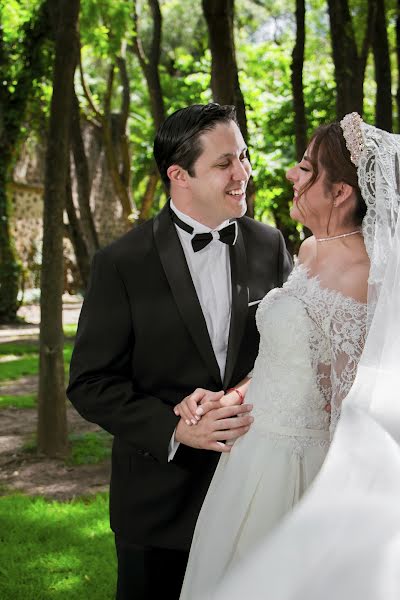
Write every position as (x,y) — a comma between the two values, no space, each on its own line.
(177,141)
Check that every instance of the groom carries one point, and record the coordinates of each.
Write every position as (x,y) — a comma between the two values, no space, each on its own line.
(170,308)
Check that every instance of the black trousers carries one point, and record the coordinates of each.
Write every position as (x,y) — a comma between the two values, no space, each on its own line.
(149,573)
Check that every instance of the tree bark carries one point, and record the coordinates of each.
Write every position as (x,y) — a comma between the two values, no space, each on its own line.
(12,111)
(300,123)
(83,181)
(383,76)
(76,236)
(148,198)
(225,86)
(149,65)
(52,422)
(349,63)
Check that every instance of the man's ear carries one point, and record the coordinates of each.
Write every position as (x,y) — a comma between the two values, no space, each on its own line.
(342,192)
(178,176)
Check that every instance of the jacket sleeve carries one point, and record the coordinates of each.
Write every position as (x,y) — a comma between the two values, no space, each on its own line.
(101,373)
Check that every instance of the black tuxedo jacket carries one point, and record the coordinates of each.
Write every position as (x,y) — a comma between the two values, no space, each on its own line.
(142,346)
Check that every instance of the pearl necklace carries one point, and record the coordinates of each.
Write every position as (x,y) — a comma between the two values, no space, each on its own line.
(336,237)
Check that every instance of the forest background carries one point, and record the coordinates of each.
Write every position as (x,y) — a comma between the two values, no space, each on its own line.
(86,83)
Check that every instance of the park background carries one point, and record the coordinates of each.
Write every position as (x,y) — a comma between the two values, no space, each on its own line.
(84,84)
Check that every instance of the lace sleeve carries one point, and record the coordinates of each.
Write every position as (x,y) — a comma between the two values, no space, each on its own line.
(347,337)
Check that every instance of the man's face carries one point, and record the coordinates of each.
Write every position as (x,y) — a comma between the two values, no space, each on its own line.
(217,189)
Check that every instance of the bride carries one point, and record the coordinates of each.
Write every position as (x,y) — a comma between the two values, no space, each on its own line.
(312,333)
(343,539)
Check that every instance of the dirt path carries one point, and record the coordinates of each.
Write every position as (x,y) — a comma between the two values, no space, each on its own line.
(27,472)
(32,474)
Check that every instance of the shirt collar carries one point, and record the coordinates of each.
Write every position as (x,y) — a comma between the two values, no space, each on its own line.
(197,227)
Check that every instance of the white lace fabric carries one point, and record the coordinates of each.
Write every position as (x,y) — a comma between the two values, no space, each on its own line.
(311,339)
(376,155)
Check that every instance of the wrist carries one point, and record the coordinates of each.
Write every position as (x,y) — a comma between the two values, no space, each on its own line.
(238,392)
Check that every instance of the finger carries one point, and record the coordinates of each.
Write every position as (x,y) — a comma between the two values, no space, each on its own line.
(181,410)
(197,395)
(212,396)
(187,415)
(230,434)
(192,406)
(232,411)
(219,447)
(206,407)
(233,423)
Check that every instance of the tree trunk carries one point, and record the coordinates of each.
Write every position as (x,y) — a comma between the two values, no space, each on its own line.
(349,64)
(148,198)
(225,86)
(52,422)
(149,65)
(76,236)
(12,112)
(300,123)
(82,180)
(10,269)
(383,76)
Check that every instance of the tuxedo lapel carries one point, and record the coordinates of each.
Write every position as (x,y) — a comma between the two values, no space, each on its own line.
(240,295)
(177,272)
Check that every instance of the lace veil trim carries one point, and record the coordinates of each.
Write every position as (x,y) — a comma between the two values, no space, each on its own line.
(376,154)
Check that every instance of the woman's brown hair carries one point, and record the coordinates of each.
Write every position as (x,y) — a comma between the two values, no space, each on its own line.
(327,148)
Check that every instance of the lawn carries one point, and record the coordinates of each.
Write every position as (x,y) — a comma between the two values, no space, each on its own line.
(48,549)
(53,550)
(20,359)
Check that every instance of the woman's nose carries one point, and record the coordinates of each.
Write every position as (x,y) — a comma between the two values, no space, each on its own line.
(291,174)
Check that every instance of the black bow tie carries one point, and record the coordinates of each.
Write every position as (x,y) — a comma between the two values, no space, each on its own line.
(227,234)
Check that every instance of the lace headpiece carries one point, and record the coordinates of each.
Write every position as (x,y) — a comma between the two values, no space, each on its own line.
(376,154)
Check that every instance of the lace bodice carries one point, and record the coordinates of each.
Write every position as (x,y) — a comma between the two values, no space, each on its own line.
(311,339)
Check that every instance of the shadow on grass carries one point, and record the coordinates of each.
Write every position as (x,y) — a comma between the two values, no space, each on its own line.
(53,550)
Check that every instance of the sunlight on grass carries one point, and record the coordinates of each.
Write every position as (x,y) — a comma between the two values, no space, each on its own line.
(56,550)
(28,401)
(70,329)
(21,360)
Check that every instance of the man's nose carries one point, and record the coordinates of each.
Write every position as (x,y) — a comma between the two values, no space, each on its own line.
(240,172)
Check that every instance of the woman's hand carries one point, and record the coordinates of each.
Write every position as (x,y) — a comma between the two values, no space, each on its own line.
(191,408)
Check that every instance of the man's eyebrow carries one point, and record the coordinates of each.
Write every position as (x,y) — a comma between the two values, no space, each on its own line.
(231,154)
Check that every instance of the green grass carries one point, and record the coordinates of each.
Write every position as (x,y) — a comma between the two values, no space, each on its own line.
(53,550)
(28,401)
(70,329)
(89,448)
(22,359)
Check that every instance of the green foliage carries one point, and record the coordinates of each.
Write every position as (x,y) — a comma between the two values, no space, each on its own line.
(51,550)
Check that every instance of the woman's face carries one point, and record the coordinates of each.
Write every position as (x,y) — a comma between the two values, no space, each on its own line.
(313,207)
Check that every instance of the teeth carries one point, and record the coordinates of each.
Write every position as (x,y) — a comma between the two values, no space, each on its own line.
(235,192)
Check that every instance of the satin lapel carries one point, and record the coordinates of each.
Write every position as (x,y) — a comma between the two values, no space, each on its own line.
(177,272)
(240,295)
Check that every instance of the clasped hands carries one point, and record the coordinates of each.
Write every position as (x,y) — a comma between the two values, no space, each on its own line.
(212,420)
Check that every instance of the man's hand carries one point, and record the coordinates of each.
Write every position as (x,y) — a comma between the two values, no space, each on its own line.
(221,424)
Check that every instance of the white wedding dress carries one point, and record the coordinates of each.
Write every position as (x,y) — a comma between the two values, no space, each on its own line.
(311,339)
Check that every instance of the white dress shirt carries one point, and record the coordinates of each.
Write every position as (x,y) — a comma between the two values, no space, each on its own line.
(210,269)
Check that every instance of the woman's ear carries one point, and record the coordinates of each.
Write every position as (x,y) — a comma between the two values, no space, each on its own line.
(178,176)
(341,192)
